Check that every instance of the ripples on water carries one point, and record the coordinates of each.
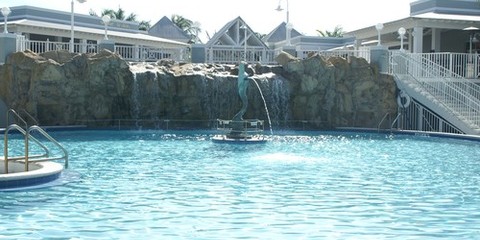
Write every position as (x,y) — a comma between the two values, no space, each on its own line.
(148,184)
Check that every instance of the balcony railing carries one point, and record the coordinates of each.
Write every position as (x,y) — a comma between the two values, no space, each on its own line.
(129,53)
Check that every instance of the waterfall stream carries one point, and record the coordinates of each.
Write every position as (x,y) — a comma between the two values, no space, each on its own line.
(157,96)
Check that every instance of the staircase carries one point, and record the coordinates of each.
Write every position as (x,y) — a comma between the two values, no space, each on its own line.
(451,96)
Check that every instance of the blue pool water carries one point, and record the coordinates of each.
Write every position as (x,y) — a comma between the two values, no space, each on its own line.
(160,185)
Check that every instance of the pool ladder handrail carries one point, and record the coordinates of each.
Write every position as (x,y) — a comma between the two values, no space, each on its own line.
(381,121)
(27,136)
(385,117)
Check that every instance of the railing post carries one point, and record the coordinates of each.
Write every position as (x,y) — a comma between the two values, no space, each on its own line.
(475,66)
(451,64)
(5,150)
(26,150)
(8,45)
(263,59)
(47,45)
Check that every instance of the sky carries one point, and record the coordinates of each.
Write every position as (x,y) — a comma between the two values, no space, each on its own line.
(306,16)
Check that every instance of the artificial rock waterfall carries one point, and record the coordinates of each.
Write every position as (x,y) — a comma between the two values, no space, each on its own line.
(59,88)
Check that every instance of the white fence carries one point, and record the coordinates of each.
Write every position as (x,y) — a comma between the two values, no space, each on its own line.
(459,65)
(219,55)
(46,46)
(418,118)
(233,55)
(151,54)
(129,53)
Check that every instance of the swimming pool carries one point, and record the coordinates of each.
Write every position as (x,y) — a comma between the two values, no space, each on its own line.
(317,185)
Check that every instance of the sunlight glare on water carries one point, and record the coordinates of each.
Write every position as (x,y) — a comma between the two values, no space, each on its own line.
(181,185)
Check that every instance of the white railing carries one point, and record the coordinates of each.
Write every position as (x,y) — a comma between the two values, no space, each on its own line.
(233,55)
(129,53)
(418,118)
(426,68)
(460,96)
(46,46)
(463,65)
(151,54)
(216,54)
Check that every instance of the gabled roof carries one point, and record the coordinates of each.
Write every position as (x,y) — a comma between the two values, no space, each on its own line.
(280,34)
(233,35)
(165,28)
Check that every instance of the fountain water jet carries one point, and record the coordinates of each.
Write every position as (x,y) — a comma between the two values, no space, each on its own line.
(265,104)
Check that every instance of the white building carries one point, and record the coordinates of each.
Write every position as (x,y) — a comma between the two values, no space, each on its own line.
(433,26)
(39,25)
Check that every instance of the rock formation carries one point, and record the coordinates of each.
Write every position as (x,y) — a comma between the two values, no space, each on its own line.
(60,88)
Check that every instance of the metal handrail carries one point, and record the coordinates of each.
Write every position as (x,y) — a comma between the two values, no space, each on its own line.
(22,131)
(5,149)
(30,116)
(17,116)
(27,134)
(46,135)
(381,121)
(395,120)
(27,157)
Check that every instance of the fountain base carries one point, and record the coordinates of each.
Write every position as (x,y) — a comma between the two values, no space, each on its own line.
(245,131)
(227,139)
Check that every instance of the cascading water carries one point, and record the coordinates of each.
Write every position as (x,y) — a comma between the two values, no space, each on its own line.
(145,95)
(135,102)
(279,96)
(156,97)
(276,95)
(265,105)
(215,92)
(202,95)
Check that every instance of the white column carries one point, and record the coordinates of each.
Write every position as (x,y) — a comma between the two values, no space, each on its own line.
(436,39)
(47,46)
(418,40)
(136,53)
(72,19)
(410,40)
(83,46)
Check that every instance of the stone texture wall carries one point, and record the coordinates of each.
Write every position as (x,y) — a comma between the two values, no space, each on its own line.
(338,92)
(84,87)
(60,88)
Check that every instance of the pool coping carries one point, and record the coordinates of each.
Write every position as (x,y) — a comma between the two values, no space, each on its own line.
(47,172)
(413,133)
(337,129)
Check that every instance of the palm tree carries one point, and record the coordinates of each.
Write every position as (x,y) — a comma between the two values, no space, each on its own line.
(120,15)
(188,26)
(337,32)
